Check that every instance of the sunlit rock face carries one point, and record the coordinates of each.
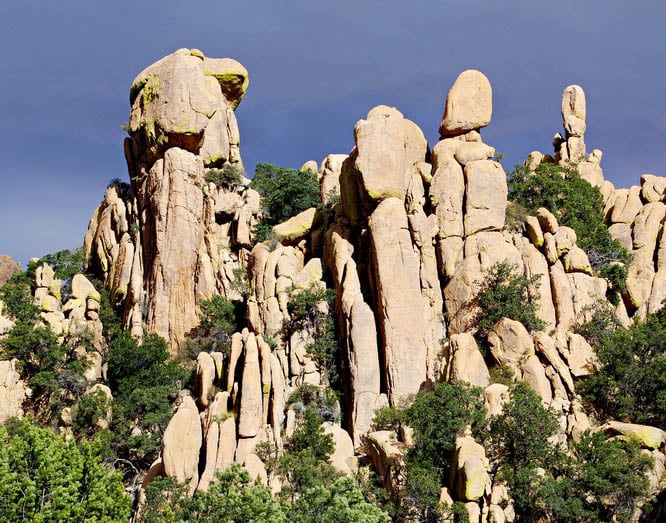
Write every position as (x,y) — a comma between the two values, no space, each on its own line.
(172,239)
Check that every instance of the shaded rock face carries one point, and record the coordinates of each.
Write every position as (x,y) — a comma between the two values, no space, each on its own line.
(171,239)
(8,266)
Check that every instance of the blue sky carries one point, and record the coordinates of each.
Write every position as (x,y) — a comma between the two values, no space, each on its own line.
(315,69)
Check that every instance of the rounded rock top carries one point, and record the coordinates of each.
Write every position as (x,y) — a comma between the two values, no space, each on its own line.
(469,104)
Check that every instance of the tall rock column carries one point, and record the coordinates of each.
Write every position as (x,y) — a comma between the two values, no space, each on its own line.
(170,238)
(382,198)
(469,195)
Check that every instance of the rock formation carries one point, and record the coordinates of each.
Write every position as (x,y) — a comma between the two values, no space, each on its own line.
(8,266)
(172,239)
(406,248)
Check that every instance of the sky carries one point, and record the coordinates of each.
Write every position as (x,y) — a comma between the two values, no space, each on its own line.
(315,69)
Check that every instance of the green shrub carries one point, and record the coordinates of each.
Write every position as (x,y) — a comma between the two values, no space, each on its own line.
(340,502)
(304,464)
(388,418)
(145,383)
(323,401)
(438,417)
(284,193)
(43,478)
(16,294)
(576,204)
(65,263)
(231,497)
(520,434)
(504,293)
(420,496)
(611,477)
(228,176)
(631,384)
(90,409)
(306,314)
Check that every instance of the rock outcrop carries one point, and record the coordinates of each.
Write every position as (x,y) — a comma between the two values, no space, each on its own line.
(172,239)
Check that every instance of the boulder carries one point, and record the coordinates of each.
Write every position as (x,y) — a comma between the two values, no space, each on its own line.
(342,457)
(535,376)
(653,188)
(467,361)
(510,342)
(251,399)
(182,442)
(469,471)
(297,226)
(447,191)
(472,151)
(232,77)
(573,110)
(206,376)
(649,437)
(469,104)
(388,145)
(387,455)
(397,273)
(13,391)
(485,193)
(8,267)
(626,205)
(582,359)
(494,398)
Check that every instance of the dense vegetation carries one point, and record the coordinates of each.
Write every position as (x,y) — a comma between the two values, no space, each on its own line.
(312,490)
(50,364)
(631,384)
(145,384)
(504,293)
(44,478)
(589,480)
(284,193)
(576,204)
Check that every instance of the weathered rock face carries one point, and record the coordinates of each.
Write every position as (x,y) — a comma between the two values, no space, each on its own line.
(8,266)
(171,239)
(13,391)
(469,104)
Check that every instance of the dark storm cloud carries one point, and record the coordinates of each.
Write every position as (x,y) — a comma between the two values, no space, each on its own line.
(315,69)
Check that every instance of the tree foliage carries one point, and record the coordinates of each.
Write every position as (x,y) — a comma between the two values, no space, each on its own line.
(44,478)
(284,193)
(314,310)
(341,502)
(576,204)
(227,177)
(234,497)
(438,417)
(65,263)
(16,294)
(592,480)
(631,384)
(145,383)
(504,293)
